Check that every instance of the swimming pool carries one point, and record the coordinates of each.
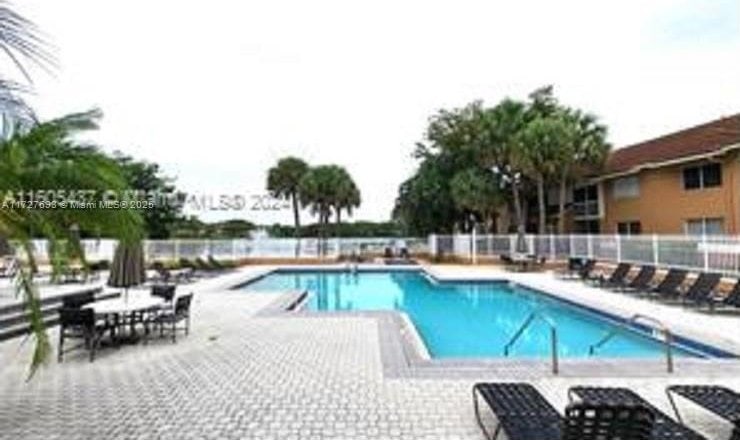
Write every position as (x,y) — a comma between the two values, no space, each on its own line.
(466,319)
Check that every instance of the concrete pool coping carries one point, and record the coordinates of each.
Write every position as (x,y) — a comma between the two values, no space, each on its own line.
(404,353)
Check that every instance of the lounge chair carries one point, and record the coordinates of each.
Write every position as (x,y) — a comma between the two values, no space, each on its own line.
(585,271)
(77,300)
(164,291)
(524,414)
(669,287)
(640,282)
(719,400)
(216,264)
(616,278)
(664,426)
(731,300)
(701,292)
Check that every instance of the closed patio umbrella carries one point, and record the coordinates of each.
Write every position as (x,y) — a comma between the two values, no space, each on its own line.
(127,268)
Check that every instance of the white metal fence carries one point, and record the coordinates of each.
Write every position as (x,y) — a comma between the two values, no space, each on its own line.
(720,253)
(96,250)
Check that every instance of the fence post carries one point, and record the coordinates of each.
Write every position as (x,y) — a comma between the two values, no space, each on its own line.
(589,246)
(432,245)
(706,252)
(474,247)
(512,244)
(618,240)
(656,250)
(552,247)
(177,250)
(571,248)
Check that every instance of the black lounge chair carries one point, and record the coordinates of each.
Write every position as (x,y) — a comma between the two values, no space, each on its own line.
(664,426)
(670,286)
(732,300)
(585,271)
(617,277)
(524,414)
(76,323)
(571,271)
(641,281)
(702,291)
(719,400)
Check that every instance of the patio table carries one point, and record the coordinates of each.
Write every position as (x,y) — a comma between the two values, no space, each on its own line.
(121,308)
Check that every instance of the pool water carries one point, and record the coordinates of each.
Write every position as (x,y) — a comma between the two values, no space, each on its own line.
(465,319)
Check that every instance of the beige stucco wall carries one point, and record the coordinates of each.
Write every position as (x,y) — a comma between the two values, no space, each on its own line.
(663,205)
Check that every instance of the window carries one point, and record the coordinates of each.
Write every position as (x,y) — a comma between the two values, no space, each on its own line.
(629,228)
(586,201)
(626,187)
(704,176)
(705,226)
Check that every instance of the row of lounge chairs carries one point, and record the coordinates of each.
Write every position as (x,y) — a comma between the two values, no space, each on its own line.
(702,291)
(603,413)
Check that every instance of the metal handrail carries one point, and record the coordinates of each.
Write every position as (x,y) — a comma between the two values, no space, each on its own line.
(667,341)
(553,337)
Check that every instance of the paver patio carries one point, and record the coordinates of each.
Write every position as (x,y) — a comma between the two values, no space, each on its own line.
(239,375)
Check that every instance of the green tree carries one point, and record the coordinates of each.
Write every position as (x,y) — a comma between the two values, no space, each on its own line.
(476,190)
(346,196)
(544,147)
(47,157)
(147,179)
(318,192)
(585,153)
(284,180)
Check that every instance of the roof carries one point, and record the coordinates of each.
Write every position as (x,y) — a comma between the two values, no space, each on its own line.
(712,137)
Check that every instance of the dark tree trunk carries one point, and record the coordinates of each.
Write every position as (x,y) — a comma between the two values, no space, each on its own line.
(541,204)
(561,204)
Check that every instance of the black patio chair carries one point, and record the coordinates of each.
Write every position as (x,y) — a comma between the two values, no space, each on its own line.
(168,320)
(216,264)
(702,290)
(617,277)
(731,301)
(76,323)
(670,286)
(77,300)
(522,413)
(664,427)
(719,400)
(164,291)
(640,282)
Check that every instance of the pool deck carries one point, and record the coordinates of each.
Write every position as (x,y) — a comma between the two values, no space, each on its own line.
(251,370)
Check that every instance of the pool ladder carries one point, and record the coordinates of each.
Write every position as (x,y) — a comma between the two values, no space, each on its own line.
(553,337)
(667,339)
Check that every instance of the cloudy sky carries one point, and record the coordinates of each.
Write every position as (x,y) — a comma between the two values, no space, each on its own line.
(217,91)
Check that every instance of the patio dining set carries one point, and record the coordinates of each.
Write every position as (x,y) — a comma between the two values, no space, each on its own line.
(83,318)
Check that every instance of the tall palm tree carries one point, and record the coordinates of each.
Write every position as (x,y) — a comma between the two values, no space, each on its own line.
(586,152)
(499,146)
(283,181)
(346,195)
(317,191)
(45,157)
(477,191)
(543,148)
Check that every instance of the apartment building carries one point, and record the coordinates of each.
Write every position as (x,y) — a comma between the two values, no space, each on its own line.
(687,182)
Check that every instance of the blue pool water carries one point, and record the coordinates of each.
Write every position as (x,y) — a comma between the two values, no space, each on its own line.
(464,319)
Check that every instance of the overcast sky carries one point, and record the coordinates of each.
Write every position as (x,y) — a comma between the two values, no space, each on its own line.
(217,91)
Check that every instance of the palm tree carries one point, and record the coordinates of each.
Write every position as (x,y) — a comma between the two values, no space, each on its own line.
(476,191)
(283,181)
(45,157)
(347,196)
(586,151)
(21,42)
(499,145)
(317,191)
(543,148)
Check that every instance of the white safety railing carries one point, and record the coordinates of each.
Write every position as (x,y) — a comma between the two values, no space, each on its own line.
(237,249)
(719,253)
